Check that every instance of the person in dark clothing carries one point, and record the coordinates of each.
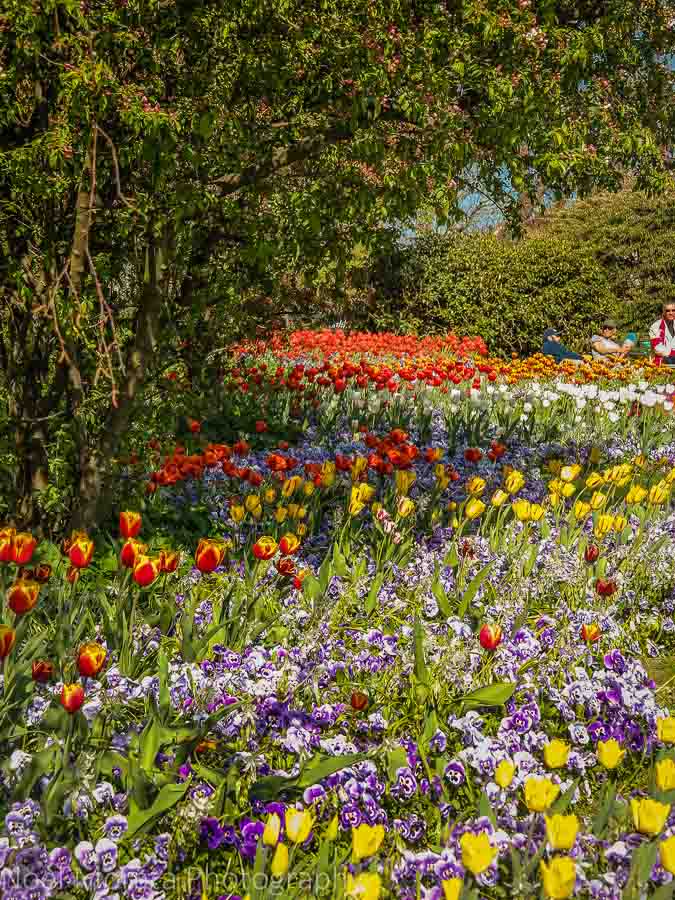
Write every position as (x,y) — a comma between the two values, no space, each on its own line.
(553,347)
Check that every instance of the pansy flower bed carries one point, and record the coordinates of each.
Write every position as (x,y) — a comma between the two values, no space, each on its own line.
(409,657)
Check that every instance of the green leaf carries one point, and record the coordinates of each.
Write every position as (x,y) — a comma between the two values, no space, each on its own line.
(421,672)
(565,799)
(373,593)
(167,798)
(485,809)
(150,745)
(472,589)
(327,767)
(603,815)
(311,588)
(493,695)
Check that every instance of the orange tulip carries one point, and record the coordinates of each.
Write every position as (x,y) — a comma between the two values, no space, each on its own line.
(42,670)
(130,524)
(146,570)
(81,550)
(265,548)
(7,639)
(288,544)
(6,541)
(23,545)
(168,560)
(22,596)
(131,550)
(72,697)
(286,567)
(90,659)
(591,633)
(209,555)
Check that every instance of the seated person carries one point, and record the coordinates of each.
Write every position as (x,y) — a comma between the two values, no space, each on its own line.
(553,347)
(605,346)
(662,335)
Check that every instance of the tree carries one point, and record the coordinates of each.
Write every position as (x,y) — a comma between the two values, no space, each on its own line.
(159,158)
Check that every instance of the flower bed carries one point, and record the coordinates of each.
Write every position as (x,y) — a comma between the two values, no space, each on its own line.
(407,658)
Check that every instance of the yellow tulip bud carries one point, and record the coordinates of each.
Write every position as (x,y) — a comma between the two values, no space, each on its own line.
(561,831)
(540,793)
(610,753)
(499,498)
(667,854)
(649,816)
(279,865)
(570,473)
(504,773)
(665,775)
(558,877)
(477,852)
(272,828)
(475,486)
(665,729)
(556,753)
(474,508)
(366,840)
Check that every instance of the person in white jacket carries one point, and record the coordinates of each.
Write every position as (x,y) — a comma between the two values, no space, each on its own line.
(662,335)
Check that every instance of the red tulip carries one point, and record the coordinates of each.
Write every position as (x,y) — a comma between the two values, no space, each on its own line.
(72,697)
(490,637)
(145,570)
(7,639)
(42,670)
(194,426)
(591,553)
(23,545)
(606,587)
(90,659)
(473,454)
(289,543)
(168,560)
(285,567)
(22,596)
(359,701)
(260,426)
(209,555)
(6,542)
(130,524)
(42,573)
(72,575)
(81,550)
(131,550)
(591,633)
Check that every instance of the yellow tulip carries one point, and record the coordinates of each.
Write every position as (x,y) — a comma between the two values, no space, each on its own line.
(298,825)
(504,773)
(620,523)
(649,816)
(536,512)
(355,507)
(301,529)
(452,888)
(404,480)
(405,507)
(270,495)
(365,886)
(556,754)
(332,830)
(237,513)
(252,502)
(359,466)
(272,828)
(665,730)
(291,485)
(477,852)
(474,508)
(328,474)
(665,775)
(593,480)
(281,514)
(570,473)
(522,510)
(604,525)
(308,488)
(366,840)
(610,753)
(598,500)
(475,486)
(279,865)
(561,831)
(300,511)
(555,499)
(499,497)
(514,481)
(658,493)
(559,877)
(667,854)
(636,494)
(540,793)
(670,477)
(366,492)
(568,490)
(581,509)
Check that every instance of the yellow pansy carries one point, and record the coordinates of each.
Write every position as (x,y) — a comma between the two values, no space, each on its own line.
(561,831)
(665,729)
(610,753)
(279,865)
(540,793)
(504,773)
(665,775)
(559,877)
(477,852)
(366,840)
(298,825)
(649,816)
(365,886)
(474,508)
(556,754)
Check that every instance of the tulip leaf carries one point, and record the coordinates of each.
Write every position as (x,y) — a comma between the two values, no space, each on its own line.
(327,767)
(150,745)
(421,672)
(311,588)
(493,695)
(566,798)
(373,593)
(168,797)
(485,809)
(605,811)
(665,892)
(451,558)
(472,590)
(339,562)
